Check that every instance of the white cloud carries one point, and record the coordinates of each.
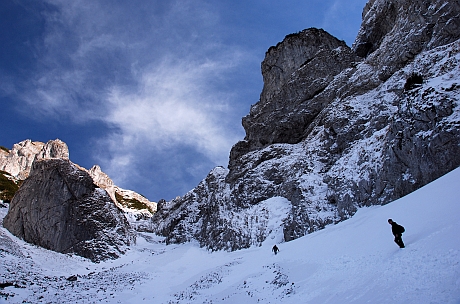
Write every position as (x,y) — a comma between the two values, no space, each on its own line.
(90,48)
(175,105)
(153,73)
(161,80)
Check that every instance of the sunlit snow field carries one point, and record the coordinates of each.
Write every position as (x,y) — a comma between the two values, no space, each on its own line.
(355,261)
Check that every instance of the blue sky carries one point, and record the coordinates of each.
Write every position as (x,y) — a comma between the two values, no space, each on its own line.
(152,91)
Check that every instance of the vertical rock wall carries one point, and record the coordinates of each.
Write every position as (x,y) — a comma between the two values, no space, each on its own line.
(58,207)
(337,128)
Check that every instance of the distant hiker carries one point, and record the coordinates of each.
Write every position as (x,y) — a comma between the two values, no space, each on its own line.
(275,249)
(397,230)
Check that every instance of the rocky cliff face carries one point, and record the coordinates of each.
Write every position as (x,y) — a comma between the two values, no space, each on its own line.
(336,128)
(67,208)
(120,196)
(18,162)
(138,209)
(295,72)
(58,207)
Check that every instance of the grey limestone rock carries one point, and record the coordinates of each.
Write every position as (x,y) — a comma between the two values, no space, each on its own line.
(394,32)
(58,207)
(18,162)
(54,149)
(295,72)
(336,128)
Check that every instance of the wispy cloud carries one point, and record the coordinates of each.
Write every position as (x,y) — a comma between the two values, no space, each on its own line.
(153,74)
(162,80)
(175,105)
(75,51)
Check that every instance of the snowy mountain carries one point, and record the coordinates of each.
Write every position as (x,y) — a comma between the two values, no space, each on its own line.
(58,207)
(335,129)
(354,261)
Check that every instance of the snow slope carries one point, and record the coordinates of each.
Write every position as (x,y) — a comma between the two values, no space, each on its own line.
(354,261)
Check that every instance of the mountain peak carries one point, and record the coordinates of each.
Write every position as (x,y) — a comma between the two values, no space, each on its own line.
(336,128)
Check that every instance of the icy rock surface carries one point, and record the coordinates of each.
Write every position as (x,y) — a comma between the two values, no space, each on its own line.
(58,207)
(336,128)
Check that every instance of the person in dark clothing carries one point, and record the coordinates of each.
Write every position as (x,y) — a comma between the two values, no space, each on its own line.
(275,249)
(397,230)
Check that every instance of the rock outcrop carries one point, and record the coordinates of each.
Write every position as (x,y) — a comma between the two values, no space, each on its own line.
(67,208)
(58,207)
(394,32)
(295,72)
(336,128)
(137,208)
(102,180)
(18,162)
